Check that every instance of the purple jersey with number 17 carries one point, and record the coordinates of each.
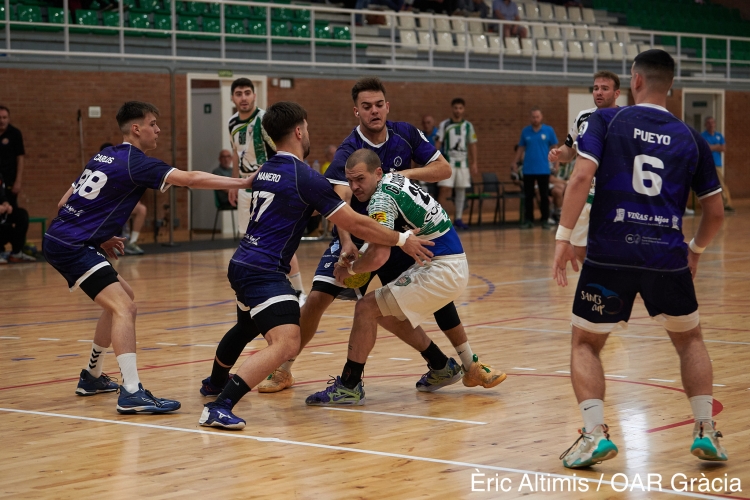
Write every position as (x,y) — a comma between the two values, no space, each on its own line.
(648,161)
(105,195)
(286,192)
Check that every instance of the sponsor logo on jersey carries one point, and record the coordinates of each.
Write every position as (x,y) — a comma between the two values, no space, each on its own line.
(381,217)
(608,302)
(103,159)
(403,281)
(397,161)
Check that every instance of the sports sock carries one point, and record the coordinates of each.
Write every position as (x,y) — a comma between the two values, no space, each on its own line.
(134,236)
(234,390)
(96,360)
(592,411)
(435,358)
(296,281)
(129,371)
(459,200)
(465,353)
(352,374)
(287,365)
(219,374)
(702,408)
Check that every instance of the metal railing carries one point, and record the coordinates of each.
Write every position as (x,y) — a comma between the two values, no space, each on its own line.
(399,44)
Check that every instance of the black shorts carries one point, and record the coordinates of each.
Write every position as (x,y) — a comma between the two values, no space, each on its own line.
(604,298)
(278,314)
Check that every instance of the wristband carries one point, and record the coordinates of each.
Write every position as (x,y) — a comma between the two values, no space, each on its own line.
(563,233)
(350,269)
(695,248)
(402,237)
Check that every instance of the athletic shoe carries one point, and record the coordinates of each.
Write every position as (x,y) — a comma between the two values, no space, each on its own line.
(481,374)
(219,414)
(527,225)
(133,249)
(545,225)
(20,257)
(337,394)
(277,381)
(459,224)
(209,389)
(729,209)
(142,401)
(435,379)
(706,444)
(552,221)
(3,260)
(88,385)
(595,447)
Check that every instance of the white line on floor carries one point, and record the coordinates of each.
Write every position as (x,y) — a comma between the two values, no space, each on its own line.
(203,345)
(660,380)
(400,359)
(406,415)
(519,368)
(44,338)
(89,341)
(615,376)
(415,458)
(164,343)
(719,385)
(10,338)
(563,371)
(318,352)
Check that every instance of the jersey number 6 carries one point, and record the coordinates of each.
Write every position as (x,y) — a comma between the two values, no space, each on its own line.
(640,176)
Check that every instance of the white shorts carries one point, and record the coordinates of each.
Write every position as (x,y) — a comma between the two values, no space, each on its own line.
(244,201)
(422,290)
(579,236)
(460,178)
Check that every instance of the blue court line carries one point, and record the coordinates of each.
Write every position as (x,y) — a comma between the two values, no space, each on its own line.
(97,317)
(20,359)
(67,355)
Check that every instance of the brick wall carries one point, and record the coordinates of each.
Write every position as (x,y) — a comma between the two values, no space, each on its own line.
(737,157)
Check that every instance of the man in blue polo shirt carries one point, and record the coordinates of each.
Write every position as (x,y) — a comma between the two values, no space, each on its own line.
(536,141)
(718,145)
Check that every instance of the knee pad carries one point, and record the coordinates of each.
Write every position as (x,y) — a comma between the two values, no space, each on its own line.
(447,317)
(235,340)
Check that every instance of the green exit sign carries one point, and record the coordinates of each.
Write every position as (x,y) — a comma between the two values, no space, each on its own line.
(226,73)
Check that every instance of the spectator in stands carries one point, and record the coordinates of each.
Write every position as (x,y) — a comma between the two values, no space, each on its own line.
(14,223)
(11,156)
(224,169)
(472,8)
(536,141)
(718,145)
(508,10)
(330,152)
(436,6)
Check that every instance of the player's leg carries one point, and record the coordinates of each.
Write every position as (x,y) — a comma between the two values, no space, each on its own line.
(445,189)
(19,222)
(139,218)
(543,183)
(528,193)
(462,182)
(603,302)
(295,278)
(670,300)
(92,380)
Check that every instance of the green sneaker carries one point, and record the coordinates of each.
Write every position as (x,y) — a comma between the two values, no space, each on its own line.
(706,444)
(337,394)
(595,447)
(435,379)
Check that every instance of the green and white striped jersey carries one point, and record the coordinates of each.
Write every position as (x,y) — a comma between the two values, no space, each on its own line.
(250,141)
(455,138)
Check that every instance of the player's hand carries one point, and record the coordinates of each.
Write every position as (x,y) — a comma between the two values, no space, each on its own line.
(232,196)
(554,155)
(474,169)
(340,271)
(564,253)
(693,262)
(416,249)
(349,251)
(113,245)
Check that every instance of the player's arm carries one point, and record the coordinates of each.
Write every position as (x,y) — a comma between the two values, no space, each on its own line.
(347,245)
(519,154)
(65,197)
(562,154)
(369,230)
(435,171)
(19,174)
(473,158)
(232,193)
(203,180)
(711,221)
(573,202)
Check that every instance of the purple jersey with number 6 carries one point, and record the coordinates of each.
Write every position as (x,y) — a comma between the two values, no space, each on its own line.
(105,195)
(648,161)
(286,192)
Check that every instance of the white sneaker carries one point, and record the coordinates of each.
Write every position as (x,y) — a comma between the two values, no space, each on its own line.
(595,447)
(20,257)
(689,211)
(3,260)
(706,444)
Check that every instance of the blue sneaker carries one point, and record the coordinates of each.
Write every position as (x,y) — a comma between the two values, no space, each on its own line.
(209,389)
(435,379)
(142,401)
(337,394)
(706,444)
(459,224)
(219,414)
(595,447)
(88,385)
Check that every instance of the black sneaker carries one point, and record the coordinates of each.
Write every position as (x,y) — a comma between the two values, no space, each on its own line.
(88,385)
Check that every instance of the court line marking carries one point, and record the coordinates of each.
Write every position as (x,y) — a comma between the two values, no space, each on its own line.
(661,380)
(615,376)
(519,368)
(10,338)
(401,456)
(406,415)
(45,338)
(400,359)
(320,352)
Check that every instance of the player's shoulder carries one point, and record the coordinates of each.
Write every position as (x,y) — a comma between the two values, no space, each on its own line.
(233,119)
(392,183)
(584,115)
(400,127)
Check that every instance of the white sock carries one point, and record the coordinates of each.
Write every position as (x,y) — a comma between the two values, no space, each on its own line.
(465,353)
(702,408)
(296,281)
(134,236)
(129,371)
(592,411)
(287,366)
(459,201)
(96,360)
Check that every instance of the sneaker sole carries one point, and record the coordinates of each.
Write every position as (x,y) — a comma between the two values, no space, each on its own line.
(144,409)
(218,425)
(209,394)
(499,380)
(593,460)
(445,383)
(271,389)
(84,392)
(361,402)
(711,457)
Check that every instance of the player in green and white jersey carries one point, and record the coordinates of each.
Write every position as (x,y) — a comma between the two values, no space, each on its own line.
(457,140)
(398,203)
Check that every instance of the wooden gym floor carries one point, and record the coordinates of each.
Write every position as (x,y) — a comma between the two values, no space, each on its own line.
(402,443)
